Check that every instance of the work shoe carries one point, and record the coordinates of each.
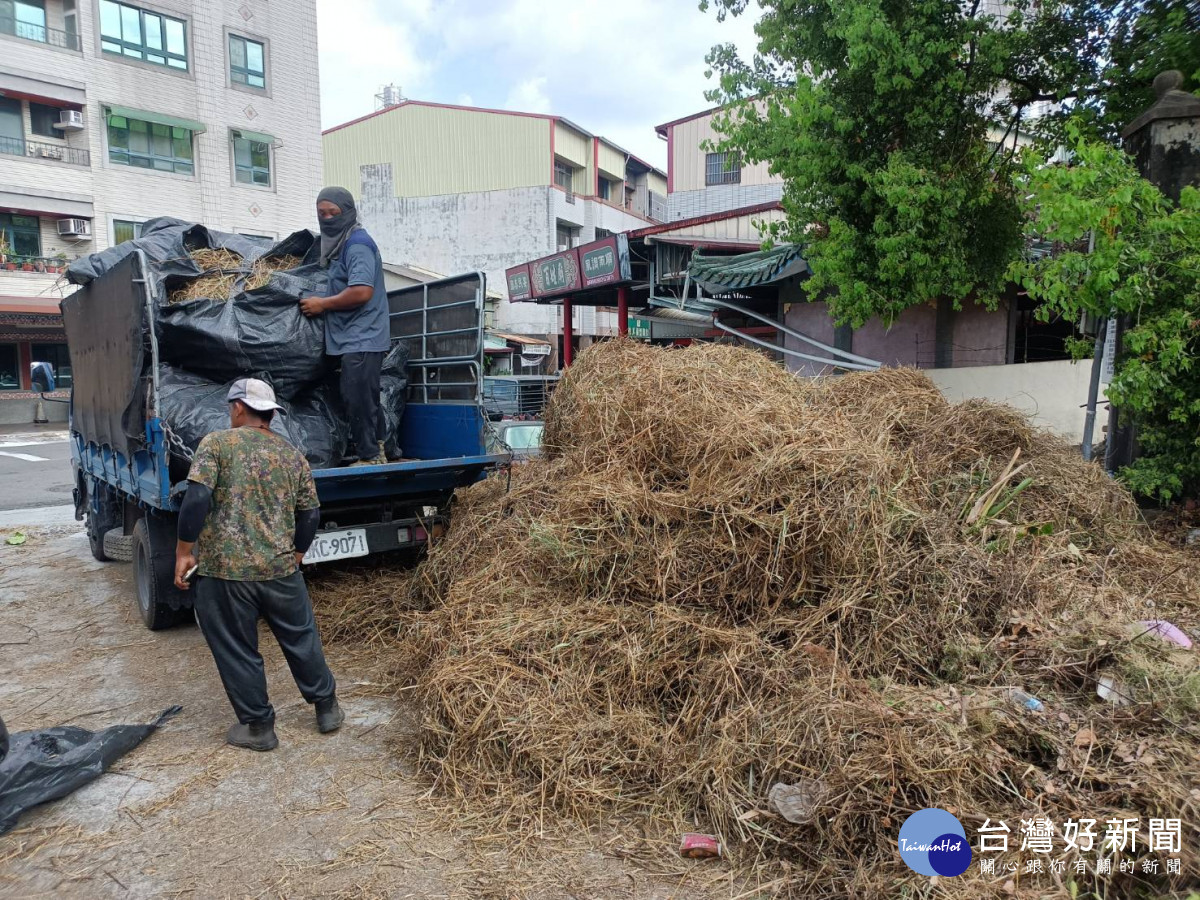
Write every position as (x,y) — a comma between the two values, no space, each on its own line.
(329,715)
(253,736)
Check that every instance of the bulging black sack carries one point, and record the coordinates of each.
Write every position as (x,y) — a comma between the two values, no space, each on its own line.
(260,331)
(192,406)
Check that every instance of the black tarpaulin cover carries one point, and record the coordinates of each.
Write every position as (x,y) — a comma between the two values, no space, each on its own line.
(313,423)
(45,765)
(204,344)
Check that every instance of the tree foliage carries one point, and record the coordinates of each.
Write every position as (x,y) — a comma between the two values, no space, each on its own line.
(894,124)
(1145,263)
(1143,39)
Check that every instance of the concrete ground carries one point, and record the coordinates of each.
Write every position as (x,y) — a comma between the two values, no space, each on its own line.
(184,815)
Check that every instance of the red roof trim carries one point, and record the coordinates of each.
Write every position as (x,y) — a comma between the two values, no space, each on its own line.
(665,125)
(47,306)
(404,103)
(703,220)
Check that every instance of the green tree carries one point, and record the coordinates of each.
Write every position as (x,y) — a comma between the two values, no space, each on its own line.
(1143,39)
(1144,262)
(894,125)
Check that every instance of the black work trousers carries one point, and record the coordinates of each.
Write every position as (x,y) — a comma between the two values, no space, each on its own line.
(360,397)
(228,612)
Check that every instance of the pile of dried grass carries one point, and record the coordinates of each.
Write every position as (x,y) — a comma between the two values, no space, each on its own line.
(224,274)
(222,270)
(721,577)
(266,266)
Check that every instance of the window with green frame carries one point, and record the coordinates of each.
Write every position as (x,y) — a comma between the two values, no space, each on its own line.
(126,230)
(141,34)
(247,62)
(149,145)
(20,236)
(251,161)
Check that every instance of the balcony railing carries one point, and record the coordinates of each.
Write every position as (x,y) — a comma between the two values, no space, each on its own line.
(38,150)
(55,37)
(48,265)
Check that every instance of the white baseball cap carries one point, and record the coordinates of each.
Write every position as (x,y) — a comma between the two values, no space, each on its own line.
(255,393)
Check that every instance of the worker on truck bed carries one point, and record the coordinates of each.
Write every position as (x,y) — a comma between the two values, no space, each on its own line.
(356,319)
(251,504)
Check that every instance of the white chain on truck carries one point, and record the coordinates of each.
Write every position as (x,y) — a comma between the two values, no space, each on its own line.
(174,442)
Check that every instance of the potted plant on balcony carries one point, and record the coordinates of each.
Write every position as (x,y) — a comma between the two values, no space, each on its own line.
(3,250)
(59,264)
(27,265)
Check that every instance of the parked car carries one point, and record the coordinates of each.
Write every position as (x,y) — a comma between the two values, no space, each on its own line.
(523,437)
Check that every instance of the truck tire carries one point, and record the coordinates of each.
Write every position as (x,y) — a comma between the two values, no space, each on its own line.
(118,545)
(98,525)
(154,580)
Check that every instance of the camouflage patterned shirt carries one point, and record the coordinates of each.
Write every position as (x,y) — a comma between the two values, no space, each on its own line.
(258,482)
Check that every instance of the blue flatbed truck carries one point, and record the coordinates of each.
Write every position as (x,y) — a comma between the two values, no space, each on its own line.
(131,471)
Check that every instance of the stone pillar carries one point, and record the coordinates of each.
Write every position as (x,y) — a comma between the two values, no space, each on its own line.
(1164,142)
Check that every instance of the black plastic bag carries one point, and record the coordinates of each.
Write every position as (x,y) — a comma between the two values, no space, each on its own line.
(259,331)
(393,383)
(392,395)
(46,765)
(318,427)
(166,243)
(396,361)
(193,406)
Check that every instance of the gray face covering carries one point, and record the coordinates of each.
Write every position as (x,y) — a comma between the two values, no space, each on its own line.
(335,230)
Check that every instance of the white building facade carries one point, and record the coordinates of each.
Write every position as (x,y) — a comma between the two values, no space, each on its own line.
(112,113)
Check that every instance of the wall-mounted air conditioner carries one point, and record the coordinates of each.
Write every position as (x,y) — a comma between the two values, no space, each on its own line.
(74,228)
(70,120)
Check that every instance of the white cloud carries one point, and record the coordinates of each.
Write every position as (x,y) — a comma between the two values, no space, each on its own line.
(529,96)
(362,48)
(615,67)
(465,100)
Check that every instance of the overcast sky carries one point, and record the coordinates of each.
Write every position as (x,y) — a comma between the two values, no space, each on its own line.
(614,67)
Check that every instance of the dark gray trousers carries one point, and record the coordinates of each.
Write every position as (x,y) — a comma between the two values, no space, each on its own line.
(228,612)
(360,397)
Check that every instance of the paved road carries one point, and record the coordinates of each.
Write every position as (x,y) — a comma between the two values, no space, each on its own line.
(35,469)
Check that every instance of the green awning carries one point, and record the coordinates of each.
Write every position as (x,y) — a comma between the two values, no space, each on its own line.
(718,274)
(256,136)
(156,118)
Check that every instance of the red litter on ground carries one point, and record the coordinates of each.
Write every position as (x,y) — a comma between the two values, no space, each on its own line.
(699,846)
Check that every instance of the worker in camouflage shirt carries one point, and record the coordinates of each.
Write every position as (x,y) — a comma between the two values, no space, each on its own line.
(249,515)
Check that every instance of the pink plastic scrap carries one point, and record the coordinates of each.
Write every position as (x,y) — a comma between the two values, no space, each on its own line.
(1161,628)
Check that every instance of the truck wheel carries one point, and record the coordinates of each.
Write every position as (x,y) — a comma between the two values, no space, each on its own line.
(154,578)
(98,525)
(95,535)
(118,545)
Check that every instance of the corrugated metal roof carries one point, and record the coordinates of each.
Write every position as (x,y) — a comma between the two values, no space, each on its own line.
(731,273)
(520,338)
